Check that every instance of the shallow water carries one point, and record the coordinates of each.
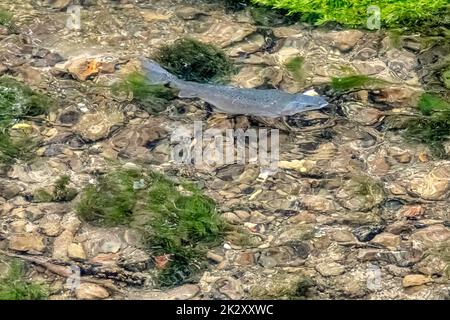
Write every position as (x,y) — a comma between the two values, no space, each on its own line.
(349,196)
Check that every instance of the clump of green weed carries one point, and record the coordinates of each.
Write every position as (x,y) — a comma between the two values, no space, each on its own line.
(363,192)
(111,201)
(61,191)
(194,60)
(14,286)
(295,67)
(432,126)
(17,102)
(5,18)
(355,82)
(183,224)
(21,147)
(266,17)
(354,13)
(152,97)
(176,219)
(283,286)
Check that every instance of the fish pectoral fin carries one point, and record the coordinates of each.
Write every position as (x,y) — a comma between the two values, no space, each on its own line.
(185,93)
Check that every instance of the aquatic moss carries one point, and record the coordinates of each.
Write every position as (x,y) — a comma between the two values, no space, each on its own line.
(354,12)
(432,125)
(283,286)
(14,286)
(430,103)
(18,101)
(175,218)
(5,18)
(153,98)
(268,17)
(295,67)
(183,224)
(110,202)
(194,60)
(61,191)
(356,82)
(395,38)
(42,195)
(12,149)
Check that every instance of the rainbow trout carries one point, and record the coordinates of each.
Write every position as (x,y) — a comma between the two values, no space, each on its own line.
(227,99)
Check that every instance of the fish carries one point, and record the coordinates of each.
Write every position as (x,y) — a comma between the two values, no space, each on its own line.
(228,99)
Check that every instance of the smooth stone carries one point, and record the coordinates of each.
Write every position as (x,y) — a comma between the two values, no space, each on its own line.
(388,240)
(75,251)
(327,269)
(61,244)
(413,280)
(91,291)
(27,242)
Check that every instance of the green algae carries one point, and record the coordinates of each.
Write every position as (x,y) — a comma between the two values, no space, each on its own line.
(393,13)
(153,98)
(432,126)
(295,67)
(356,82)
(14,286)
(175,218)
(194,60)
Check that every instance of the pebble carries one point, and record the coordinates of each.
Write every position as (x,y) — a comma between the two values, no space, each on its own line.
(91,291)
(367,233)
(27,242)
(76,252)
(328,269)
(412,280)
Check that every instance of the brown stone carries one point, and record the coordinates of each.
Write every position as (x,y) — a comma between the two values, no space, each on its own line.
(27,242)
(411,211)
(91,291)
(412,280)
(388,240)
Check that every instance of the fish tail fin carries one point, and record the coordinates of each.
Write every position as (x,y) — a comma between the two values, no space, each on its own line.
(156,74)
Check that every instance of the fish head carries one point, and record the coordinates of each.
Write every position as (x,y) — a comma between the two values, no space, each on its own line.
(303,103)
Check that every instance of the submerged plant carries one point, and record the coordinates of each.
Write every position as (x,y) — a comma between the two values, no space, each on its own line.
(295,67)
(432,126)
(268,17)
(355,82)
(61,191)
(183,223)
(5,18)
(110,202)
(175,218)
(193,60)
(154,98)
(354,12)
(14,286)
(18,101)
